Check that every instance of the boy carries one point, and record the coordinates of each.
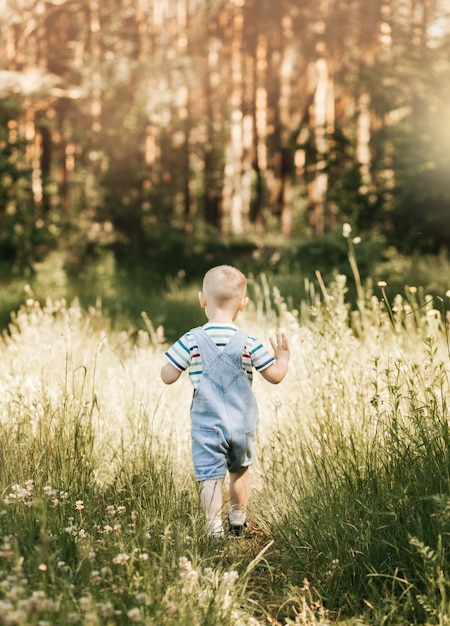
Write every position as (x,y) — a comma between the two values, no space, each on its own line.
(224,414)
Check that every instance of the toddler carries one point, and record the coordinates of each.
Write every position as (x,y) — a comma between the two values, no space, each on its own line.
(220,359)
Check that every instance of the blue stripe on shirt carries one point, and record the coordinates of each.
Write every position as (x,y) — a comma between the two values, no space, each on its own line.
(179,342)
(262,366)
(222,327)
(177,365)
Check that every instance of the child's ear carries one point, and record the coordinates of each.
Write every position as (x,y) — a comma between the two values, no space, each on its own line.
(202,299)
(244,303)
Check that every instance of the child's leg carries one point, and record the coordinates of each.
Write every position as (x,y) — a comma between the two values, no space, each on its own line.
(211,500)
(239,495)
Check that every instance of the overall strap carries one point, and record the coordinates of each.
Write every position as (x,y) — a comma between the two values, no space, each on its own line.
(236,344)
(210,352)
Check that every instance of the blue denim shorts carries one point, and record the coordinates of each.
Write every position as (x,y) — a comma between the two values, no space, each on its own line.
(213,454)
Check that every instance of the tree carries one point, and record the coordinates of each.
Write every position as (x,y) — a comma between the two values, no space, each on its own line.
(243,114)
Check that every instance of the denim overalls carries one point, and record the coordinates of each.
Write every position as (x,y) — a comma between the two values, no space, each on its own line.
(224,412)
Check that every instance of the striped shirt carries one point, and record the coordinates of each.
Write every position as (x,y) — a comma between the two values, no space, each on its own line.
(184,353)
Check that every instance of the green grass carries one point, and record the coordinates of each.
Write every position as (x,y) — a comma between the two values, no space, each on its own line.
(164,283)
(99,515)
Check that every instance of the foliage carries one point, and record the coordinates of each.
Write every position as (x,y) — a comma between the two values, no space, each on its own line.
(164,282)
(119,129)
(19,236)
(422,200)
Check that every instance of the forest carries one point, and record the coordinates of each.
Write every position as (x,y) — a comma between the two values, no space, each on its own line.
(152,127)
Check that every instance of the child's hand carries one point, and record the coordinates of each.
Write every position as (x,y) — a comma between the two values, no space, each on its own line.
(280,346)
(277,370)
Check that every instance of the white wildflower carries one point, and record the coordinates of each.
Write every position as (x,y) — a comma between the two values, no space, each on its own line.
(184,563)
(229,578)
(121,558)
(107,609)
(134,615)
(346,230)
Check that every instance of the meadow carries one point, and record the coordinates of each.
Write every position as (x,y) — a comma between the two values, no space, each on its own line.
(99,513)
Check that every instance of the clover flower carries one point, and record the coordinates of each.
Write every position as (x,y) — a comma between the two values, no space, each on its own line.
(142,598)
(53,495)
(107,609)
(85,603)
(172,608)
(142,556)
(229,578)
(49,492)
(96,577)
(134,615)
(184,563)
(38,601)
(188,573)
(71,529)
(121,558)
(62,566)
(208,573)
(20,494)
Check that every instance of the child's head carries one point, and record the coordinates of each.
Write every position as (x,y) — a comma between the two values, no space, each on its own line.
(224,283)
(224,287)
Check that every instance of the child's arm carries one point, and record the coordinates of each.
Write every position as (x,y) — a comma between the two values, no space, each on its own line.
(169,373)
(277,371)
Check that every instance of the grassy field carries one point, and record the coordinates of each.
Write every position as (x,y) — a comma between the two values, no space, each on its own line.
(99,513)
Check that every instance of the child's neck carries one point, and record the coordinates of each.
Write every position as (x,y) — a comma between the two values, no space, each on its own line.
(220,320)
(221,316)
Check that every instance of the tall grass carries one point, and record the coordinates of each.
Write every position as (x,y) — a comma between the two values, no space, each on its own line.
(361,465)
(99,515)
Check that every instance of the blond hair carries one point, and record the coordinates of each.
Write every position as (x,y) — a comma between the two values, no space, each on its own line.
(224,283)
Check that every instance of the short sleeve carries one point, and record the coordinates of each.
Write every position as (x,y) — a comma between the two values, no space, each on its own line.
(261,357)
(179,354)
